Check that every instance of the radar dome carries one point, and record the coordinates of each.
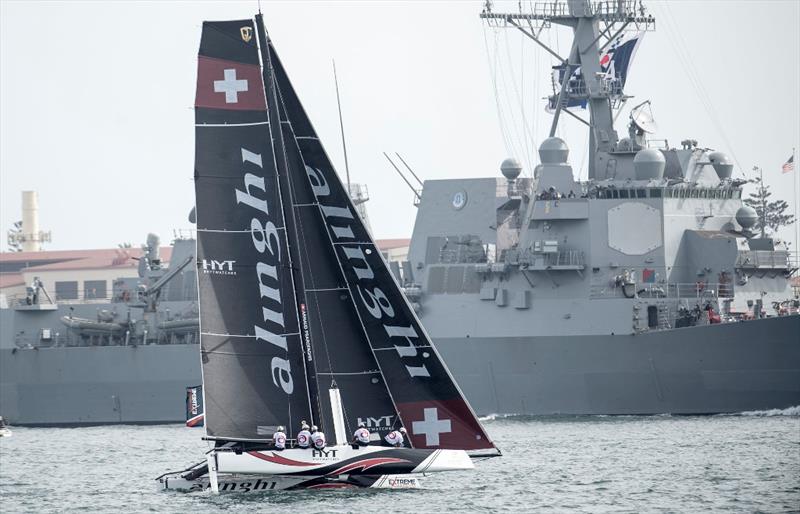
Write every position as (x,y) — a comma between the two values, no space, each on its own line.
(746,217)
(553,150)
(722,164)
(649,164)
(511,168)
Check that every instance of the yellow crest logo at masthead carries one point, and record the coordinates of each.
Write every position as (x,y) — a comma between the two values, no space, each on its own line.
(247,33)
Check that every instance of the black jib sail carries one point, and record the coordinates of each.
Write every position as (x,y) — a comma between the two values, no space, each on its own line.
(423,392)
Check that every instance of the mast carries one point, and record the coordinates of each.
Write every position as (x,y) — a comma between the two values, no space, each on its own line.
(600,91)
(287,205)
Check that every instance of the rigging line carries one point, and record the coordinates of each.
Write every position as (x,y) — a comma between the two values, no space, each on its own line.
(679,46)
(520,98)
(341,127)
(514,124)
(514,131)
(499,108)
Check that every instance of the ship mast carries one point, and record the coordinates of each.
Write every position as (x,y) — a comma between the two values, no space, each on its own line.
(595,26)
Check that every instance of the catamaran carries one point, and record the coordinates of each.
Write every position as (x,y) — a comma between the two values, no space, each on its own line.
(300,317)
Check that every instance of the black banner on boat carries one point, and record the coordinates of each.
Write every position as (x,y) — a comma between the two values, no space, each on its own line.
(194,406)
(252,359)
(429,403)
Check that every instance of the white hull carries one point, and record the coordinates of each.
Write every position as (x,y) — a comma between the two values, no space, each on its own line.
(263,483)
(334,467)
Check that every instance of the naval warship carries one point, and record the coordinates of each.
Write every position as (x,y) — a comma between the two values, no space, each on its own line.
(125,356)
(641,290)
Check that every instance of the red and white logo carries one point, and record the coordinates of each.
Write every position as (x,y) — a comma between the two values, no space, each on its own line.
(229,85)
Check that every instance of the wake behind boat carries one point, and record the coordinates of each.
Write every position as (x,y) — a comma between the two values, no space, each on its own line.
(300,317)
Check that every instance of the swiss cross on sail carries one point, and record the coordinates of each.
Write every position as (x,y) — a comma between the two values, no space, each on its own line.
(311,304)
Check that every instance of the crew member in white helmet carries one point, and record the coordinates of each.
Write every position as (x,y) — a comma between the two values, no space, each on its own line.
(361,436)
(317,438)
(395,437)
(279,439)
(304,436)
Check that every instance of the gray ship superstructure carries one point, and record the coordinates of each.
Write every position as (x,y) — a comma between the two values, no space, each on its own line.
(122,356)
(641,290)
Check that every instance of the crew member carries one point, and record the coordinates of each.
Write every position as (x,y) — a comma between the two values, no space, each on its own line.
(317,438)
(395,437)
(279,439)
(361,436)
(304,436)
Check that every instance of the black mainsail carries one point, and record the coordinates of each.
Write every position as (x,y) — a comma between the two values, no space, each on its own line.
(252,360)
(308,300)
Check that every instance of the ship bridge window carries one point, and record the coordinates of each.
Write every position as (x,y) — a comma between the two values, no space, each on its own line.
(623,193)
(656,193)
(94,289)
(67,290)
(641,193)
(614,194)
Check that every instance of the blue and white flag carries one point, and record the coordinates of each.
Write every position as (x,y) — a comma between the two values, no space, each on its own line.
(615,62)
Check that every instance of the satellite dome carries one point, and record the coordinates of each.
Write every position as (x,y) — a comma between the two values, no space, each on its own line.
(553,150)
(746,217)
(649,164)
(511,168)
(722,164)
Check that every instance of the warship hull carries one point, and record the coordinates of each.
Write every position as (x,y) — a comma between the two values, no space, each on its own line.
(733,367)
(97,385)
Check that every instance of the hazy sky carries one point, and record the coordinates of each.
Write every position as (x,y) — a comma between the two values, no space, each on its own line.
(96,99)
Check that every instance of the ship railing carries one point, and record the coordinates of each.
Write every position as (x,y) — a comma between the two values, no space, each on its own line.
(767,259)
(699,290)
(179,234)
(80,297)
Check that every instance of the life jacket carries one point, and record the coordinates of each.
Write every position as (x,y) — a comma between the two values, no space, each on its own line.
(362,436)
(304,439)
(279,440)
(318,438)
(395,438)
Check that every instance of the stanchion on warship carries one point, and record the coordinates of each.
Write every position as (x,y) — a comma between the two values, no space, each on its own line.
(640,290)
(300,317)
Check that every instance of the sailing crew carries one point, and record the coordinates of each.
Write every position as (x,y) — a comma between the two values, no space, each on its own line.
(395,437)
(304,436)
(361,436)
(279,439)
(317,438)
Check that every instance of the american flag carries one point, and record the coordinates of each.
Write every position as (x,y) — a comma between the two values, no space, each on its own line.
(788,165)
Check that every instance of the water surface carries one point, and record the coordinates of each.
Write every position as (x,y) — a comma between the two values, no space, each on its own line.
(733,463)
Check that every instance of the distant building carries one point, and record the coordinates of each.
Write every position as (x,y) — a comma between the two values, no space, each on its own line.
(394,249)
(70,275)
